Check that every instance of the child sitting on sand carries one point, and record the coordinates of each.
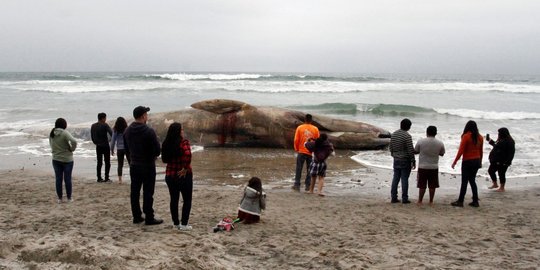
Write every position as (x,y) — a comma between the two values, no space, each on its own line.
(253,201)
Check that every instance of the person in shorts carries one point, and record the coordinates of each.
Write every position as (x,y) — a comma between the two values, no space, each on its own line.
(429,150)
(321,148)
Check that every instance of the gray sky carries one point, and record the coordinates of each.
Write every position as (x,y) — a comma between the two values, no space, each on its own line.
(377,36)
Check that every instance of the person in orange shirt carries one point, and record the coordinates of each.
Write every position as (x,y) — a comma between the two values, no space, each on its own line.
(470,148)
(303,134)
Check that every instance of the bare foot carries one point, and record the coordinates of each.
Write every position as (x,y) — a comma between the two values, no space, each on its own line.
(500,190)
(320,194)
(494,186)
(431,204)
(309,192)
(419,203)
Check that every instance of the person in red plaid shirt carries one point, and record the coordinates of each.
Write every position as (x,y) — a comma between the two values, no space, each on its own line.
(176,152)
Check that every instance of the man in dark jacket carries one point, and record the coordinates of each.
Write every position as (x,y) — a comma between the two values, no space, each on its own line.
(100,133)
(142,145)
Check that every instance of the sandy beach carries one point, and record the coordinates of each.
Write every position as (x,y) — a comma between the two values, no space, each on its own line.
(353,227)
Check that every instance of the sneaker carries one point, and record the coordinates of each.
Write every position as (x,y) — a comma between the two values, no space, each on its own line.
(296,188)
(70,200)
(107,180)
(99,180)
(395,201)
(155,221)
(406,202)
(474,204)
(457,204)
(59,201)
(184,227)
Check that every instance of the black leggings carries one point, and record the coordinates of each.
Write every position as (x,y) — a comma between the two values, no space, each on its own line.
(500,169)
(177,186)
(469,168)
(120,153)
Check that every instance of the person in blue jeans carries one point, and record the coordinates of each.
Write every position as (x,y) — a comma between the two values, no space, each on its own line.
(62,146)
(402,150)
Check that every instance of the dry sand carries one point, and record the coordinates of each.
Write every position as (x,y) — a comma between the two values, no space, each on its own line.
(348,229)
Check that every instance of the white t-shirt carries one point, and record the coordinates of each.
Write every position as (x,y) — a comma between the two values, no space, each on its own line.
(430,149)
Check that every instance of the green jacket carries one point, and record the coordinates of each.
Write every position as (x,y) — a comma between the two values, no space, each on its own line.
(62,145)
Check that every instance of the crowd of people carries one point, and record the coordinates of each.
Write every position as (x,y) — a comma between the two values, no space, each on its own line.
(140,145)
(429,149)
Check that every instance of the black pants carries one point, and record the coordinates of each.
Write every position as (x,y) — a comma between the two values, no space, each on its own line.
(500,169)
(469,168)
(120,153)
(176,186)
(103,152)
(145,177)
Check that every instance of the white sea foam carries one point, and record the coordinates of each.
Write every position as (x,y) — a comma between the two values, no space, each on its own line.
(217,77)
(13,134)
(26,124)
(196,148)
(245,82)
(34,149)
(491,115)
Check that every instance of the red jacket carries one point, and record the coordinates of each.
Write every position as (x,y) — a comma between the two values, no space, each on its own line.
(468,149)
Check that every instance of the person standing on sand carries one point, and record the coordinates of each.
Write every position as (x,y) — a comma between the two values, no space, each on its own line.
(500,157)
(470,148)
(322,148)
(401,149)
(303,134)
(100,132)
(142,145)
(62,146)
(176,152)
(429,149)
(118,141)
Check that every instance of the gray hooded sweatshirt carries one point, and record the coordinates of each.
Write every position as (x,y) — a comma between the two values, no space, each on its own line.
(252,202)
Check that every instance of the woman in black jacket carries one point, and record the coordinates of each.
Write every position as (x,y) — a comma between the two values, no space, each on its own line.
(500,157)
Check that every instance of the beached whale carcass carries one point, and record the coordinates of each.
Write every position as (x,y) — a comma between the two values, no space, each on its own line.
(222,122)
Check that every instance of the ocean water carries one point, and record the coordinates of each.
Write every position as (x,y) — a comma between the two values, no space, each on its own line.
(30,102)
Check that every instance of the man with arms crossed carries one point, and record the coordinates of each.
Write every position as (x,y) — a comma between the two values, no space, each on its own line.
(429,149)
(142,145)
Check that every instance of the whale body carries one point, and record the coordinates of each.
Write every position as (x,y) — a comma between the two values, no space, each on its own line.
(223,122)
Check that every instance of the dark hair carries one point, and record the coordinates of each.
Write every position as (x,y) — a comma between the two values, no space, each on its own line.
(120,125)
(473,129)
(101,115)
(255,183)
(170,148)
(319,141)
(504,134)
(431,131)
(309,118)
(60,123)
(405,124)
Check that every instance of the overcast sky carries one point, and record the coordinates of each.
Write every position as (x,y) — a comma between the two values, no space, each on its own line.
(353,36)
